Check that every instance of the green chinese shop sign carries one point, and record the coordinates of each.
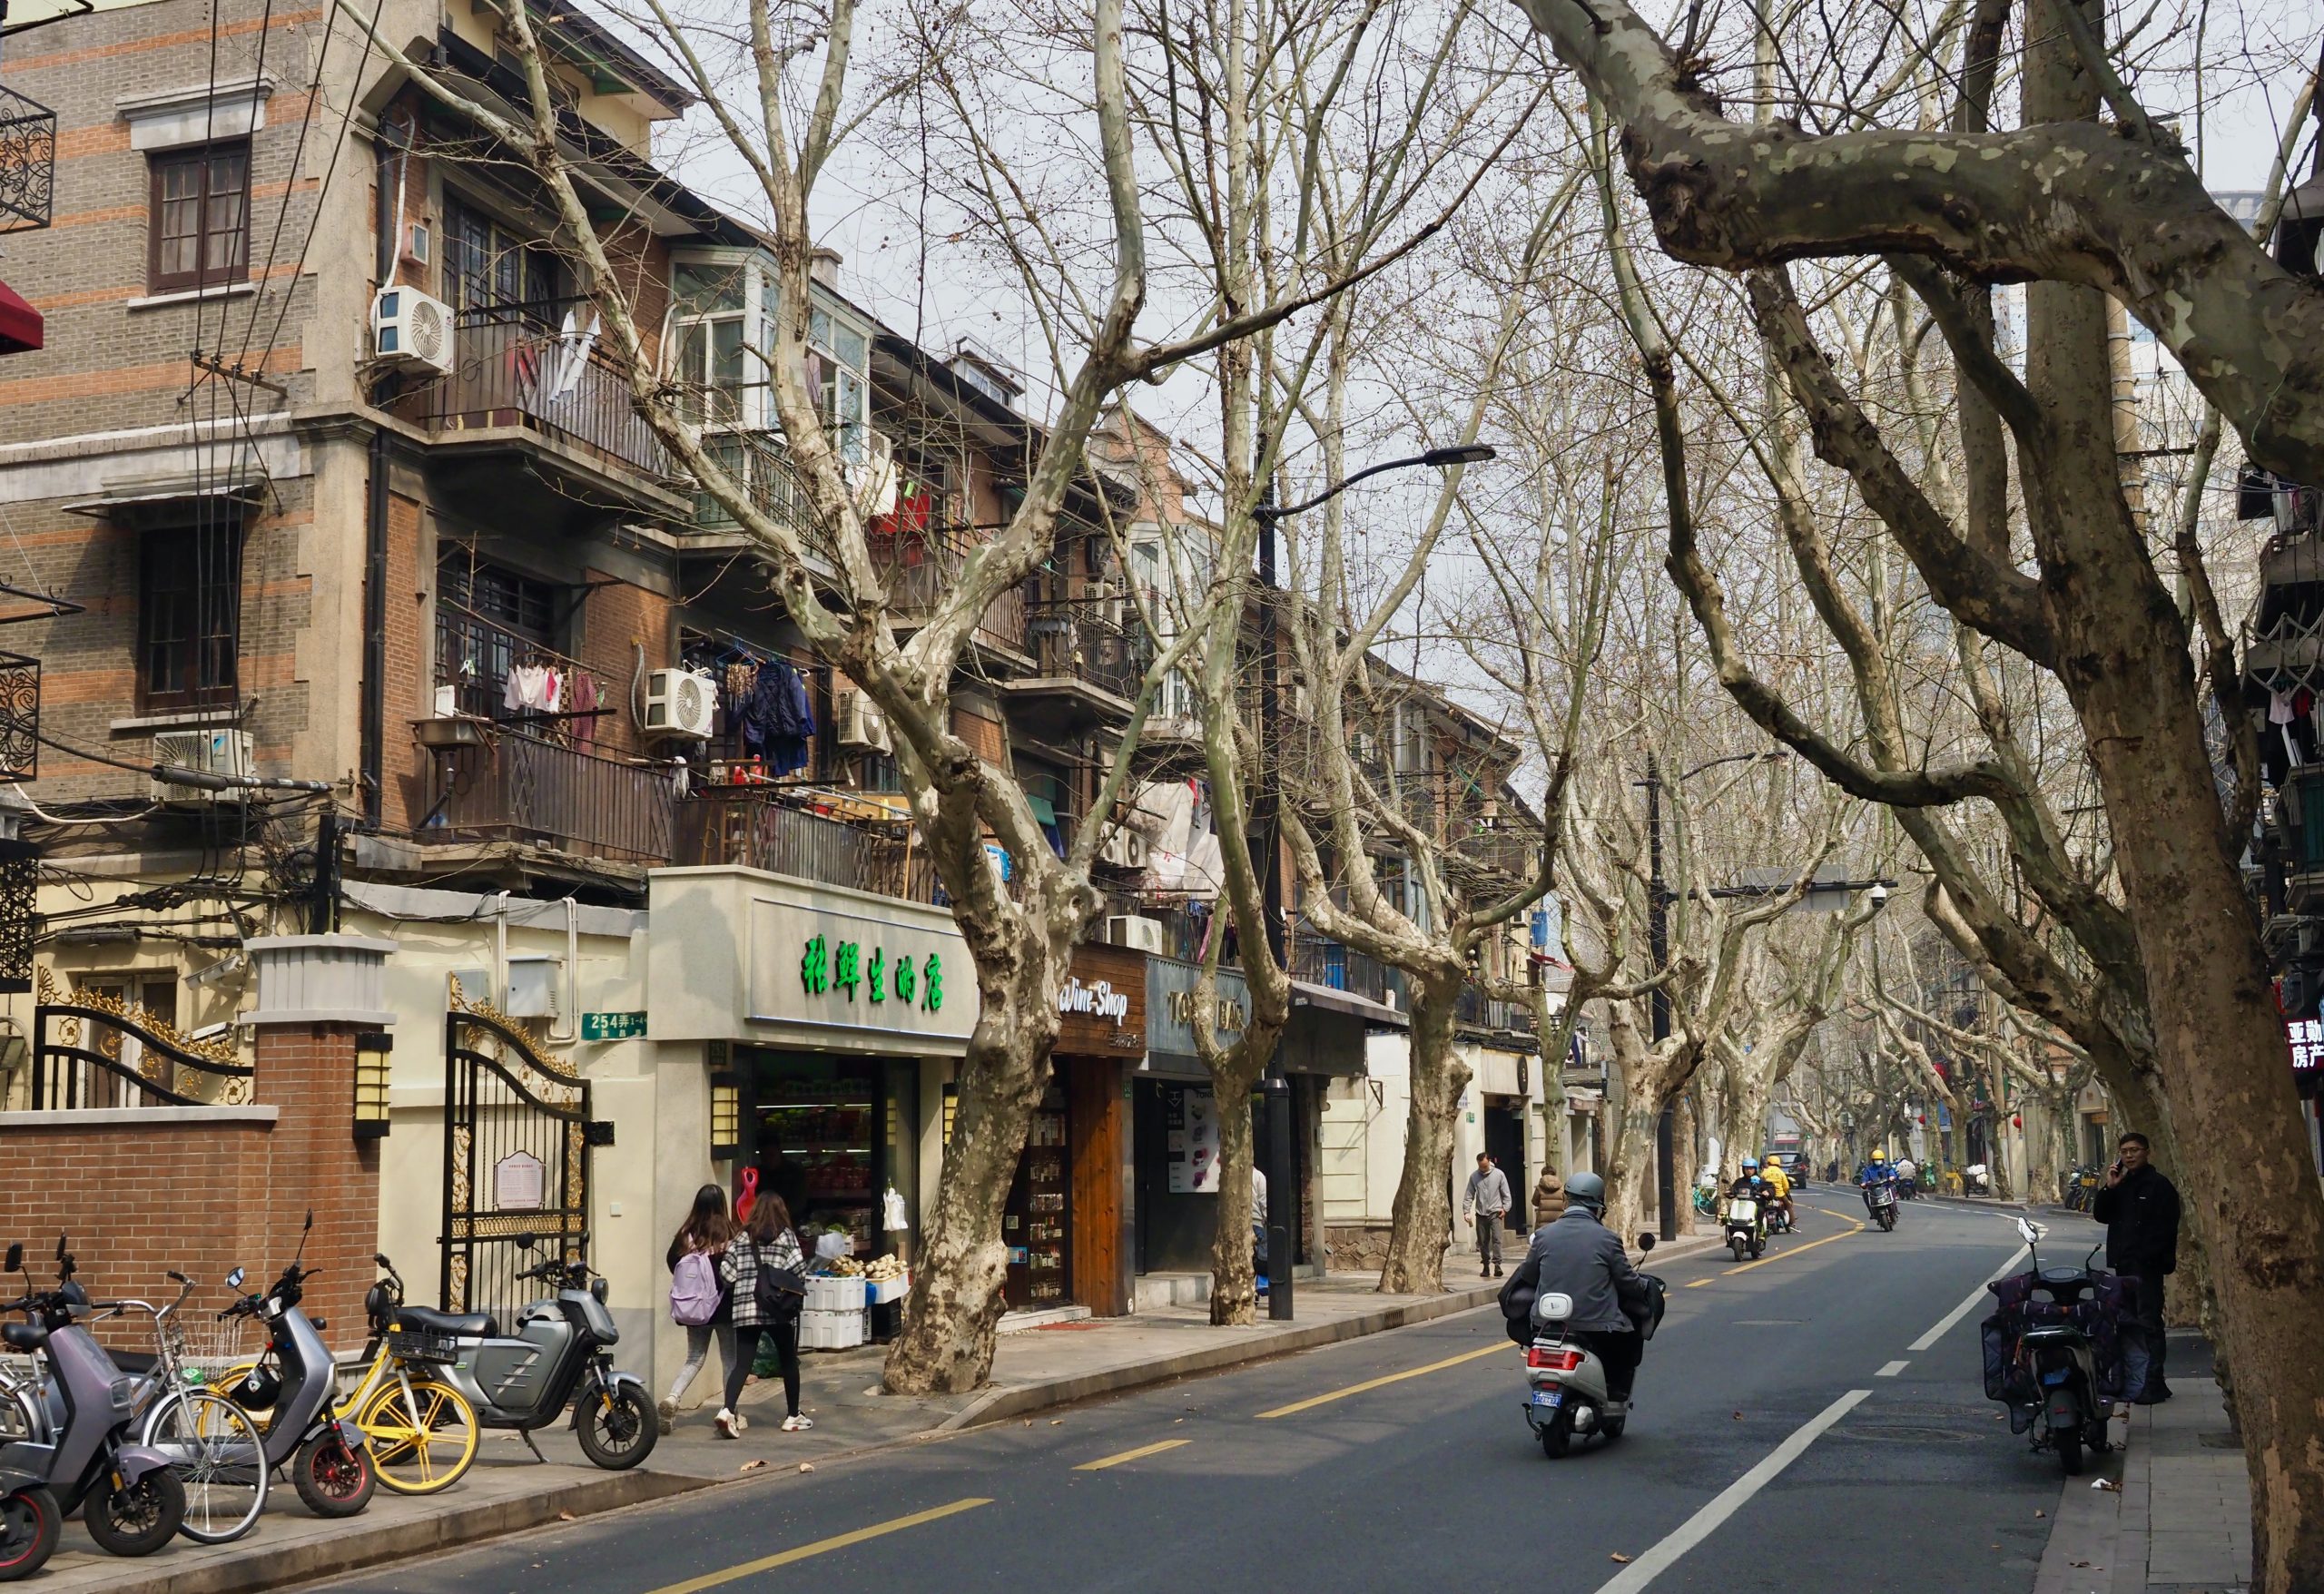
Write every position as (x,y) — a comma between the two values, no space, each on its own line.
(885,980)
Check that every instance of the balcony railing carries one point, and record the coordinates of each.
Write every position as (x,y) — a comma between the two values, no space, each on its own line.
(755,829)
(511,373)
(1098,640)
(28,161)
(515,787)
(914,551)
(1477,1010)
(1331,964)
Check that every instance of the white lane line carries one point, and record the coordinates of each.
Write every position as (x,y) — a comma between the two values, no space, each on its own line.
(1893,1369)
(1636,1576)
(1962,1310)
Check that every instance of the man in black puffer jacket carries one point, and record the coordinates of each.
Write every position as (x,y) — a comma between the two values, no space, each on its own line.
(2140,1208)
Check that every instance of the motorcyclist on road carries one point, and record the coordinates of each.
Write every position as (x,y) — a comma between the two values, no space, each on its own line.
(1779,1187)
(1579,1258)
(1874,1176)
(1751,1184)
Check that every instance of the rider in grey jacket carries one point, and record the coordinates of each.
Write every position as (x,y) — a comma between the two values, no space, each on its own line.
(1579,1258)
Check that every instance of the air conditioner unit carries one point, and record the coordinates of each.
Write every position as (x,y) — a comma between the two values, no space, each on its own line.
(411,330)
(680,703)
(1124,849)
(1363,746)
(1105,603)
(857,722)
(876,485)
(1135,930)
(213,753)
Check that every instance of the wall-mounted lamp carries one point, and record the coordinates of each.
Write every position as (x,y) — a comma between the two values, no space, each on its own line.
(373,1052)
(726,1116)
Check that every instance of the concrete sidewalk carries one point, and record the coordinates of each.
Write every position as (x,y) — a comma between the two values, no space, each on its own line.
(507,1491)
(2177,1520)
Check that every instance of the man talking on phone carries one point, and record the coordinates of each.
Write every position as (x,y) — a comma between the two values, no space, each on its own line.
(2140,1208)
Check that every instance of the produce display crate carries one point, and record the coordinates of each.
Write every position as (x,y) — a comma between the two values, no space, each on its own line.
(831,1294)
(831,1331)
(894,1289)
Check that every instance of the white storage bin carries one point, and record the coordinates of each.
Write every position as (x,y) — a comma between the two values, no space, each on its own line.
(834,1294)
(894,1289)
(831,1331)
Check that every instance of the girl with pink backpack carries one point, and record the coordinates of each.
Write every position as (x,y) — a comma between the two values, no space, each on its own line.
(698,1296)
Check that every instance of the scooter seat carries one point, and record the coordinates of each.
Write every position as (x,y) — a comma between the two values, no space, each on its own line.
(24,1336)
(466,1324)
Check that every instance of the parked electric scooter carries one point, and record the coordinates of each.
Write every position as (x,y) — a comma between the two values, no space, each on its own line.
(294,1387)
(128,1497)
(2057,1369)
(559,1357)
(1566,1382)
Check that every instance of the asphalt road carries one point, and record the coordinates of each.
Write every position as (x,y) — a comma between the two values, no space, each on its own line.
(1416,1471)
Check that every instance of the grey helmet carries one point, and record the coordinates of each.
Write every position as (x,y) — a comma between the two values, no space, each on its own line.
(1587,1190)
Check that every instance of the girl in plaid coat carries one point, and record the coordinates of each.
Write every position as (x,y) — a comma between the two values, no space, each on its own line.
(767,1240)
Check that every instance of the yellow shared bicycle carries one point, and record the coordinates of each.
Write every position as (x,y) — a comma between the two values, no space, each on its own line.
(423,1433)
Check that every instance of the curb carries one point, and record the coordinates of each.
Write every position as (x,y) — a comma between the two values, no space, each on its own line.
(334,1554)
(1977,1203)
(1000,1404)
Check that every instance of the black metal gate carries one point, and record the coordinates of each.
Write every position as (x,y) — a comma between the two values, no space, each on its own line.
(91,1050)
(516,1139)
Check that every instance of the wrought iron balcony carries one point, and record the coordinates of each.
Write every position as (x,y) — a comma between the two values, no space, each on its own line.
(28,161)
(1338,966)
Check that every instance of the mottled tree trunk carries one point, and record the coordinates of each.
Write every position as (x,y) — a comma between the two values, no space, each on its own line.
(1629,1166)
(950,1316)
(1420,1227)
(2124,659)
(1234,1280)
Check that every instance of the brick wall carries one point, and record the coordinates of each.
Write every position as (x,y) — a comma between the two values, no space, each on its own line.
(308,1071)
(205,1195)
(138,1200)
(106,366)
(618,619)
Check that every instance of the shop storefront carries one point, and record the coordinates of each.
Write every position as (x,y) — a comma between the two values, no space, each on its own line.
(820,1028)
(1175,1121)
(1068,1219)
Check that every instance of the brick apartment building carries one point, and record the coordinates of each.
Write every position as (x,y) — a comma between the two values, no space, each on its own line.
(448,595)
(428,626)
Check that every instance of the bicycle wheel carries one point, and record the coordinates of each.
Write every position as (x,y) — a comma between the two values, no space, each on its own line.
(215,1450)
(423,1435)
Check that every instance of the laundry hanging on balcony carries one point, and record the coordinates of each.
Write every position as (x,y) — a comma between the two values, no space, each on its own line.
(778,718)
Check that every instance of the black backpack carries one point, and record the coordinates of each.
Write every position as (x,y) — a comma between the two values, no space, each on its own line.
(780,1292)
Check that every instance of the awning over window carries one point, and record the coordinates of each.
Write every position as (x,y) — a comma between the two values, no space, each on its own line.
(20,324)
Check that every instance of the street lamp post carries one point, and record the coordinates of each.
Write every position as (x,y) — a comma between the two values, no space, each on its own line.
(1283,1199)
(1657,945)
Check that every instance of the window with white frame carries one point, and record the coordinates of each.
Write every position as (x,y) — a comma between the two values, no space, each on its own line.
(725,309)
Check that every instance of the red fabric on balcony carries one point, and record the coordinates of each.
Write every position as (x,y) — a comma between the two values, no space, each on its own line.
(21,327)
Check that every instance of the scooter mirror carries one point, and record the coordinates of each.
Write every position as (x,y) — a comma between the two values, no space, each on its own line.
(234,1279)
(380,1259)
(15,1256)
(1645,1241)
(2028,1231)
(528,1241)
(60,1248)
(310,1223)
